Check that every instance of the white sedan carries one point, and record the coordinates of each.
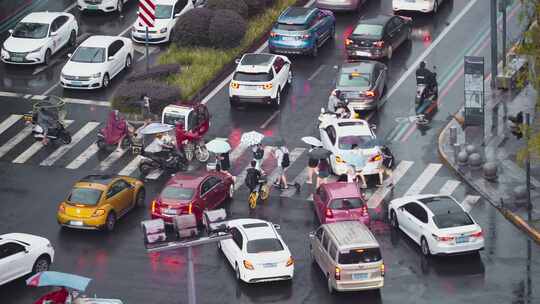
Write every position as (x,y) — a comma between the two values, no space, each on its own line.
(21,254)
(167,13)
(96,61)
(424,6)
(342,136)
(101,5)
(38,36)
(438,223)
(256,252)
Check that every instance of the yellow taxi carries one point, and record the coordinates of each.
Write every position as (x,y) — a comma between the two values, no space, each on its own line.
(98,201)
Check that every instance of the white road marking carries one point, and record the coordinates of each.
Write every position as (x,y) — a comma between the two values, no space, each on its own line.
(125,31)
(15,140)
(75,139)
(237,152)
(276,113)
(469,202)
(131,167)
(107,162)
(421,182)
(83,157)
(376,199)
(242,176)
(8,122)
(10,94)
(34,148)
(70,7)
(87,102)
(317,71)
(300,179)
(449,187)
(423,56)
(51,89)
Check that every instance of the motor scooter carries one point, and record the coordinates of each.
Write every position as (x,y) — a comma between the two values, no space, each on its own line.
(53,110)
(173,162)
(426,101)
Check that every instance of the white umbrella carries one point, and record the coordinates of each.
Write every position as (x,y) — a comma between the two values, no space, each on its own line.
(310,140)
(218,146)
(251,138)
(156,127)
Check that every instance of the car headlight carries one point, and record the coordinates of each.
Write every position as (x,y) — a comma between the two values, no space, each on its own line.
(163,30)
(96,75)
(36,50)
(99,212)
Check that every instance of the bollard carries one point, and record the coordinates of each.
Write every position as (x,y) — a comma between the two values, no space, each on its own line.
(462,158)
(490,171)
(470,149)
(474,160)
(520,194)
(453,135)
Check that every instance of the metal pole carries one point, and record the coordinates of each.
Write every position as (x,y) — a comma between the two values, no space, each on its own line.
(191,278)
(493,9)
(146,47)
(503,9)
(528,168)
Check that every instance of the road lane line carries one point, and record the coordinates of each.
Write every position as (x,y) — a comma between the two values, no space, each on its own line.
(58,153)
(34,148)
(376,199)
(317,71)
(114,156)
(131,167)
(427,51)
(240,178)
(8,122)
(265,124)
(449,187)
(424,179)
(83,157)
(469,202)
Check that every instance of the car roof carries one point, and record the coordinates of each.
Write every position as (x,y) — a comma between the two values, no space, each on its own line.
(341,190)
(42,17)
(440,204)
(365,67)
(351,234)
(379,19)
(255,63)
(255,229)
(296,15)
(99,41)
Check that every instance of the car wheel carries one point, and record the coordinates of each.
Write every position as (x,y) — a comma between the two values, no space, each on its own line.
(234,104)
(106,81)
(41,264)
(329,285)
(389,52)
(435,6)
(47,57)
(110,222)
(315,50)
(139,200)
(230,193)
(129,62)
(277,101)
(120,6)
(101,144)
(65,138)
(394,220)
(237,272)
(424,246)
(72,39)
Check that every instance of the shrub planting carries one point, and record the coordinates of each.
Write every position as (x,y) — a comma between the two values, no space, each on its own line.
(156,72)
(191,29)
(239,6)
(227,29)
(128,96)
(255,7)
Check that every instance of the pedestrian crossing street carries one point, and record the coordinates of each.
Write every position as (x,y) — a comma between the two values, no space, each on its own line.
(18,146)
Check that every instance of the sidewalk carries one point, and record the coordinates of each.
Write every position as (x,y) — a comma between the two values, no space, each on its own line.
(501,147)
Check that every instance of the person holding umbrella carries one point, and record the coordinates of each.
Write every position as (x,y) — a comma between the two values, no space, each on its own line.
(313,162)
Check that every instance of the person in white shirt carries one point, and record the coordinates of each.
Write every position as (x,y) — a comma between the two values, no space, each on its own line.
(161,141)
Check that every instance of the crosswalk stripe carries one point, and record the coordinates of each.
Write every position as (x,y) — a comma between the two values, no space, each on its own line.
(293,156)
(154,174)
(300,178)
(379,195)
(421,182)
(107,162)
(470,201)
(75,139)
(131,167)
(7,123)
(34,148)
(242,176)
(15,140)
(237,152)
(85,156)
(449,187)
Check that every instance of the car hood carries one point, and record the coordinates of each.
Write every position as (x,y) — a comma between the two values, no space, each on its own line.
(158,24)
(22,45)
(82,69)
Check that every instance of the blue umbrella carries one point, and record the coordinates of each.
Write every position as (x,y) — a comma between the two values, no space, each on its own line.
(354,159)
(54,278)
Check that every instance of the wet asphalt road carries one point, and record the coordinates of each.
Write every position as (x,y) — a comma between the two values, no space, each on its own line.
(121,268)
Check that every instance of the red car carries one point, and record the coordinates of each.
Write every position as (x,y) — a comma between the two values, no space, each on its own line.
(192,193)
(340,201)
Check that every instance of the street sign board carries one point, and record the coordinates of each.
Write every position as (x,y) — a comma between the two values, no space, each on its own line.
(474,90)
(147,13)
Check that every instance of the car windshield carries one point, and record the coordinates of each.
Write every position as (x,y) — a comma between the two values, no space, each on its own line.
(84,196)
(291,27)
(163,11)
(31,30)
(89,55)
(359,80)
(454,219)
(173,118)
(175,193)
(347,142)
(252,77)
(369,30)
(264,245)
(346,204)
(356,256)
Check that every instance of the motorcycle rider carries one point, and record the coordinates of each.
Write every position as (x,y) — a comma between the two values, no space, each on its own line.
(426,77)
(47,120)
(161,142)
(334,100)
(182,136)
(116,130)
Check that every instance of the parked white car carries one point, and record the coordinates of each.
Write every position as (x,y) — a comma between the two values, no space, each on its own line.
(438,223)
(424,6)
(257,252)
(260,78)
(167,13)
(340,136)
(96,61)
(38,36)
(21,254)
(101,5)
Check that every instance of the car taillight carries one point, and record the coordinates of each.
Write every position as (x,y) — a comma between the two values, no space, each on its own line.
(272,34)
(337,274)
(364,210)
(190,208)
(443,238)
(379,44)
(478,234)
(381,268)
(290,261)
(155,206)
(62,208)
(329,213)
(369,93)
(267,86)
(375,158)
(304,37)
(348,41)
(235,85)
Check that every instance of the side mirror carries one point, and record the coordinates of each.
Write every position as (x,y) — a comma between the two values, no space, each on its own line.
(111,58)
(53,34)
(10,31)
(69,55)
(277,227)
(237,60)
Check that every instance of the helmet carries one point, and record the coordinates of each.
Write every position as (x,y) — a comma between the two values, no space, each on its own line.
(423,65)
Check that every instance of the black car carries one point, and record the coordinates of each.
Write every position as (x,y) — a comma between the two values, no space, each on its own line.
(378,37)
(362,84)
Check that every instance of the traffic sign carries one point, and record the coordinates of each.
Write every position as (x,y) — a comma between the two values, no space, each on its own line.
(147,13)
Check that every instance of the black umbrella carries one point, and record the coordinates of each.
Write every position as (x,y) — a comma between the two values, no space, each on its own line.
(374,142)
(319,153)
(273,141)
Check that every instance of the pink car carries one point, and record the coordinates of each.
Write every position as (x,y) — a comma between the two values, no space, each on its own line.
(340,201)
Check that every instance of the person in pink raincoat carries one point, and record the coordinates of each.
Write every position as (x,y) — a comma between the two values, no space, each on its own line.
(116,129)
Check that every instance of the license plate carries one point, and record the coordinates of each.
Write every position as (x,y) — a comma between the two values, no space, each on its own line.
(362,53)
(169,211)
(17,59)
(288,38)
(462,239)
(92,7)
(76,223)
(411,1)
(269,265)
(76,82)
(251,88)
(359,276)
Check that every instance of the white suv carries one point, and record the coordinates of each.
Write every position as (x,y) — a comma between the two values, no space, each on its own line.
(21,254)
(260,78)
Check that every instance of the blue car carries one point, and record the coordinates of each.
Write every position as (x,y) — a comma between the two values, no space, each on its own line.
(301,30)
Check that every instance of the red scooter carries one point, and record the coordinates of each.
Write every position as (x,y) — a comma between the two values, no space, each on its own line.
(117,129)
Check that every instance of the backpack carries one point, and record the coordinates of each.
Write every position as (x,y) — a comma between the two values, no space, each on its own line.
(285,162)
(258,154)
(251,178)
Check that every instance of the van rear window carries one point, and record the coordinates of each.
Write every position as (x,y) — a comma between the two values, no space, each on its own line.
(291,27)
(356,256)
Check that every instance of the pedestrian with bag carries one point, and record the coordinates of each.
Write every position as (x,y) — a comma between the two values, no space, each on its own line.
(323,171)
(312,167)
(283,162)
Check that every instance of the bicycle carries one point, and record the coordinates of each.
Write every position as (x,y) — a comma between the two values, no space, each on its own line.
(262,192)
